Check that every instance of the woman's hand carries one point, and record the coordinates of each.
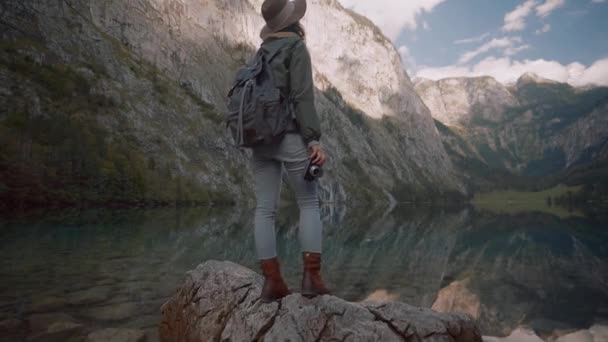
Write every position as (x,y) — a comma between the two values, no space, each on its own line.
(317,155)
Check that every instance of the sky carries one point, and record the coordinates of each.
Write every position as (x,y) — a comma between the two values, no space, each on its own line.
(563,40)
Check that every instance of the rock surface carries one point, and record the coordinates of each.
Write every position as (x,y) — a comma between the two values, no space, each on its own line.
(219,301)
(456,297)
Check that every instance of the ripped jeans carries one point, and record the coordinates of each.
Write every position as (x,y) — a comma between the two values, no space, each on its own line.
(267,163)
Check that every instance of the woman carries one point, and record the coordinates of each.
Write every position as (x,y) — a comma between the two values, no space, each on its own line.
(293,75)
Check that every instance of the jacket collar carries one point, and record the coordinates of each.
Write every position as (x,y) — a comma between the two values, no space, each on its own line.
(280,35)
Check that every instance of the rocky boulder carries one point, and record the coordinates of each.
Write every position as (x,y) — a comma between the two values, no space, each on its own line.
(220,301)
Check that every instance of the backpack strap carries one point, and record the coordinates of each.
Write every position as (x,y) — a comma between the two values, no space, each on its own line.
(249,85)
(268,56)
(290,100)
(280,35)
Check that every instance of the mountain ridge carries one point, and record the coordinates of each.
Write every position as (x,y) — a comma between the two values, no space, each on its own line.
(539,127)
(526,76)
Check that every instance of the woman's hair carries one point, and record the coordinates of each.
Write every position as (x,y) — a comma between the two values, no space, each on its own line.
(296,28)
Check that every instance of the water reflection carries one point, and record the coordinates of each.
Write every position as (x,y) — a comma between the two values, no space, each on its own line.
(109,268)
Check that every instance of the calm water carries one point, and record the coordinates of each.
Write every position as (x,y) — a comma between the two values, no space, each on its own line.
(110,268)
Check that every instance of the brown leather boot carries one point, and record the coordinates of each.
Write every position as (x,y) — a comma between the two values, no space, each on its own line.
(312,284)
(274,286)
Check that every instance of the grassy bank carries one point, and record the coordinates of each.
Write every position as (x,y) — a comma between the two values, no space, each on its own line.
(513,202)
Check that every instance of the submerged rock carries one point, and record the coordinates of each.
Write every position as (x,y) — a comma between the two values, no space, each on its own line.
(113,312)
(12,330)
(220,301)
(47,304)
(90,296)
(54,327)
(116,335)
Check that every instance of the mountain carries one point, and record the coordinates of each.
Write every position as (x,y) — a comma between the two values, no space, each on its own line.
(459,101)
(121,102)
(535,129)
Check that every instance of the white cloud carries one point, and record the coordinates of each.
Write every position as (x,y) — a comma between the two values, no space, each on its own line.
(472,39)
(506,70)
(597,73)
(495,43)
(598,1)
(516,19)
(392,16)
(548,6)
(513,50)
(546,28)
(408,61)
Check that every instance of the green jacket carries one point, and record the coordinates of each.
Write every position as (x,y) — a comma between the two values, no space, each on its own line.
(292,69)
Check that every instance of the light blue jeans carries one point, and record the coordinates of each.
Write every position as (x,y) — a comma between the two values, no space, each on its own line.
(268,161)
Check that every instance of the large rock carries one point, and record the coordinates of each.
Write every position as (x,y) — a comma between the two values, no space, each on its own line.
(220,301)
(456,297)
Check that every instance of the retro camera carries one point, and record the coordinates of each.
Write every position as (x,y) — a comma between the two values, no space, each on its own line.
(313,171)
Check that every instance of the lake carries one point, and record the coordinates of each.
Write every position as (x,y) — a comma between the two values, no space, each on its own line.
(115,268)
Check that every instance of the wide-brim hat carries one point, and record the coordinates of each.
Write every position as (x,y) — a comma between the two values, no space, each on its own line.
(279,14)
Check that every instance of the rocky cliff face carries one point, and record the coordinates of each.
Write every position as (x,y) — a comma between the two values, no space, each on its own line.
(535,127)
(459,101)
(151,77)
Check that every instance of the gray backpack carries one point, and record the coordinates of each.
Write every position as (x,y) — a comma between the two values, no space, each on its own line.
(258,114)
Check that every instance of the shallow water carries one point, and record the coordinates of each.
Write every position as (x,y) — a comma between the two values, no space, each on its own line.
(115,268)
